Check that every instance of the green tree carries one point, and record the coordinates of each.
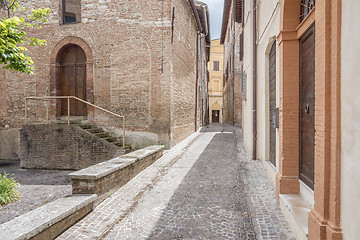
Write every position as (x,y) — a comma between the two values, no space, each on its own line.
(13,35)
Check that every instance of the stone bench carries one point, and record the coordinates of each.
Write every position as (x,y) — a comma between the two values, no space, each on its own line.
(50,220)
(101,178)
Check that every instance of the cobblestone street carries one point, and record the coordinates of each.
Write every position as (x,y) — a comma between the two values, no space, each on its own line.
(206,187)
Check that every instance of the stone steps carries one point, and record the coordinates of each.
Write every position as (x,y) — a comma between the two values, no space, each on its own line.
(107,136)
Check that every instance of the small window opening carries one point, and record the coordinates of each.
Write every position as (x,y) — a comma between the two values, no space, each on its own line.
(71,11)
(216,66)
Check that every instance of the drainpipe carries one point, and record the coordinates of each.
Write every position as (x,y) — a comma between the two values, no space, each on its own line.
(197,79)
(233,65)
(201,79)
(254,81)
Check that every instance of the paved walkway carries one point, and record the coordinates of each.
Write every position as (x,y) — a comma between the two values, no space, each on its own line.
(204,188)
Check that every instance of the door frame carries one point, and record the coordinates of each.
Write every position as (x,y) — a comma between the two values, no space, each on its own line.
(212,116)
(304,179)
(55,73)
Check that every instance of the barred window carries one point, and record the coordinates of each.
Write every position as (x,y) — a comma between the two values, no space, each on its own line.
(305,8)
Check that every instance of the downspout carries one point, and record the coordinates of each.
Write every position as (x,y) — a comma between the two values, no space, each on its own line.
(201,79)
(254,81)
(197,79)
(233,65)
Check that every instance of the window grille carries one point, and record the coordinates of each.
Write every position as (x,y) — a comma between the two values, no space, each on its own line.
(305,8)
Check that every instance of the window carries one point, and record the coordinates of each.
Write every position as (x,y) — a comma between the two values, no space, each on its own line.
(306,6)
(216,66)
(71,11)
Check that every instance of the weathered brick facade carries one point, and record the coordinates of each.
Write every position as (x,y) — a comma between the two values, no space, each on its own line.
(230,38)
(59,146)
(132,67)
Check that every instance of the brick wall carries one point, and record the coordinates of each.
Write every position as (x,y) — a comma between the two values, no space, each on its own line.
(232,68)
(134,70)
(183,72)
(54,146)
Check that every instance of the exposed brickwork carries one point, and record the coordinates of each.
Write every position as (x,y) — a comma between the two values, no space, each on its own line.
(183,73)
(51,146)
(133,69)
(232,70)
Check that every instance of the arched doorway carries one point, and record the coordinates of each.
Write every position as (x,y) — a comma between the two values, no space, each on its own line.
(215,113)
(73,80)
(70,54)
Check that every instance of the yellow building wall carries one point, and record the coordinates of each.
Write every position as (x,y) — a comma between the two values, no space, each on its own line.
(216,79)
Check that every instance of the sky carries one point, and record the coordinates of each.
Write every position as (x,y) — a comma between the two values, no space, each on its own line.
(216,11)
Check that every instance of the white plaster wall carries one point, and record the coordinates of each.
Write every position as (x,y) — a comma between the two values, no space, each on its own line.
(350,119)
(268,17)
(247,68)
(268,28)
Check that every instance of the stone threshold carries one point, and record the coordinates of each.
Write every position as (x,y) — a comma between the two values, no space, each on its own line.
(296,209)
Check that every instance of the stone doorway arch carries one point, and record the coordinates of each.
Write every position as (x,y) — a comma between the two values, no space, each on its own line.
(56,71)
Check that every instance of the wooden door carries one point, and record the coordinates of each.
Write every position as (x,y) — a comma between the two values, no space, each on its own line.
(73,80)
(272,102)
(307,107)
(215,116)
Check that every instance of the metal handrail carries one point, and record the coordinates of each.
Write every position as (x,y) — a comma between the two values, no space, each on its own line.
(68,103)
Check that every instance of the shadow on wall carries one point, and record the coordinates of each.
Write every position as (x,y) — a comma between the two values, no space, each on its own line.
(9,144)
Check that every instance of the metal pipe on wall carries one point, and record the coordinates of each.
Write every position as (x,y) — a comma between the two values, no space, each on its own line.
(233,64)
(197,78)
(254,81)
(202,81)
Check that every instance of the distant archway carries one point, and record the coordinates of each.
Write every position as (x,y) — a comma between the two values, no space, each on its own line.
(215,112)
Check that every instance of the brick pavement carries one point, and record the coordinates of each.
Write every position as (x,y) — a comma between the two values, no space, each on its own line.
(204,188)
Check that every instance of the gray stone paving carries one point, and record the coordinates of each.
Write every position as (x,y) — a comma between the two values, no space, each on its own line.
(267,218)
(204,188)
(210,202)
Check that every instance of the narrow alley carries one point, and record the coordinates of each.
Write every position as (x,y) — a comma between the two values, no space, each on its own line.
(206,187)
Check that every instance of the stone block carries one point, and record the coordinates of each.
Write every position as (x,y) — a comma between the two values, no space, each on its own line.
(50,220)
(106,176)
